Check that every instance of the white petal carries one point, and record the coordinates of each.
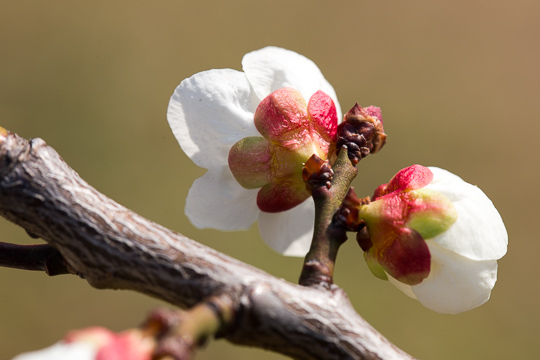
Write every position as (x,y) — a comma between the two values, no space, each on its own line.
(407,289)
(273,68)
(455,283)
(289,232)
(209,112)
(62,351)
(479,232)
(217,201)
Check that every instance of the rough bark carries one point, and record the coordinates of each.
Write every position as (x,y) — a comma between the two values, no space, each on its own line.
(112,247)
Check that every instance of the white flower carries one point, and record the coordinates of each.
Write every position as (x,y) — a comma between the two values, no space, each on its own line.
(96,343)
(62,351)
(435,237)
(210,112)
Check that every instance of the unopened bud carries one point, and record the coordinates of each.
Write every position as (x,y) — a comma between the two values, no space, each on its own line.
(362,132)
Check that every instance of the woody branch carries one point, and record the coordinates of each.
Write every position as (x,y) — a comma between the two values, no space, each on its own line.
(112,247)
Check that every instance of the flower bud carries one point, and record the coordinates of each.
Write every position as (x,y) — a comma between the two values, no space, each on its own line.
(362,132)
(435,237)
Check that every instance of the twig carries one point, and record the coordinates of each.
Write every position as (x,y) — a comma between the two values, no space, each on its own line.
(318,269)
(32,257)
(112,247)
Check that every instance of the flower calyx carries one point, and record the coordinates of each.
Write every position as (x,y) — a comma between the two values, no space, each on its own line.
(404,214)
(435,237)
(362,132)
(292,131)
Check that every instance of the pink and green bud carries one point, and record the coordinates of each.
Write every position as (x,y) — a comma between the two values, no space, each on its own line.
(411,178)
(292,131)
(131,344)
(402,215)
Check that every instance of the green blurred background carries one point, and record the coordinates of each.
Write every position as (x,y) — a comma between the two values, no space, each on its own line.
(458,82)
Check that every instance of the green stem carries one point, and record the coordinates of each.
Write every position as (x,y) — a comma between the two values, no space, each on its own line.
(206,320)
(318,269)
(190,329)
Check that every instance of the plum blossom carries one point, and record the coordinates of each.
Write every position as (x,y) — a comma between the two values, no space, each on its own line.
(223,120)
(292,131)
(435,237)
(96,343)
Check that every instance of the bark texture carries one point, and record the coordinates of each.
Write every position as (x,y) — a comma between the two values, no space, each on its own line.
(112,247)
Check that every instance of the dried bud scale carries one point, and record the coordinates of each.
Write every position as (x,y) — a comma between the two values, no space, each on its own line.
(362,132)
(317,172)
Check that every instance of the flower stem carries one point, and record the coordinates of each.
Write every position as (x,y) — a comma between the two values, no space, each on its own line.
(179,333)
(318,269)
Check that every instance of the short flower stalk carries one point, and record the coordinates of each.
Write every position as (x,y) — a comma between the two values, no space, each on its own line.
(318,269)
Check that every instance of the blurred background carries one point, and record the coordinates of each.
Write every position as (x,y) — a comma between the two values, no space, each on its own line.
(458,82)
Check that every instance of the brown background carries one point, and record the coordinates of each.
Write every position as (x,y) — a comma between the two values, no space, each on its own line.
(458,82)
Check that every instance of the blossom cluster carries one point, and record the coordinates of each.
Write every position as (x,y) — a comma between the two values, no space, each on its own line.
(431,234)
(96,343)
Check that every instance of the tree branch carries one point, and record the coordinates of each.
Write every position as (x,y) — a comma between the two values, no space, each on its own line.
(112,247)
(32,257)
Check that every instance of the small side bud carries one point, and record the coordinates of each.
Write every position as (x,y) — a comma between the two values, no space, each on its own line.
(364,239)
(362,132)
(317,172)
(347,215)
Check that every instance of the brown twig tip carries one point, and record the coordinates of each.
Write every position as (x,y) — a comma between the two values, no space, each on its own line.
(362,132)
(317,172)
